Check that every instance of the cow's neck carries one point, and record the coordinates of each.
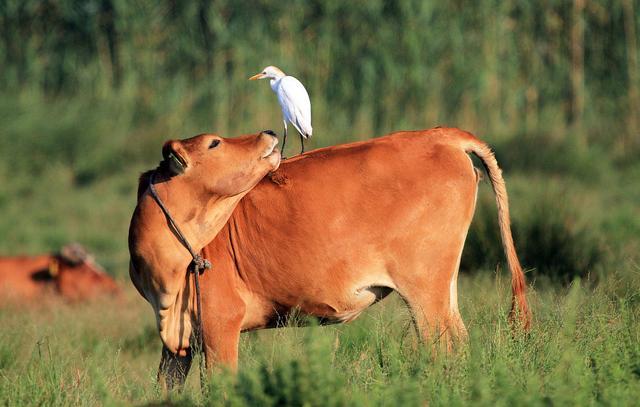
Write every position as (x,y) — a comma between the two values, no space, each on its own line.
(161,259)
(199,216)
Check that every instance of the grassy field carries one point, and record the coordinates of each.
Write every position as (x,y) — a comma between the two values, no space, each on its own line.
(89,91)
(583,349)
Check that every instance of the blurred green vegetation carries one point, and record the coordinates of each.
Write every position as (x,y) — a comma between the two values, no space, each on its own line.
(498,67)
(90,89)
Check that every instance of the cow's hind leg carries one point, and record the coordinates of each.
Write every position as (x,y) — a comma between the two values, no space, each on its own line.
(173,369)
(432,297)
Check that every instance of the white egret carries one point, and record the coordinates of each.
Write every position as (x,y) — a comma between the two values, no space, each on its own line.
(294,101)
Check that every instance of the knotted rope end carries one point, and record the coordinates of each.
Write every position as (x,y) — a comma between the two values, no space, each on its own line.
(200,264)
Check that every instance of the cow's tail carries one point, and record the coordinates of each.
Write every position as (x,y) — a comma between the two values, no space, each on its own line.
(520,313)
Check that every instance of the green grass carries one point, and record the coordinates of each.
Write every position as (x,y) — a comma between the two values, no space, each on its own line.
(584,349)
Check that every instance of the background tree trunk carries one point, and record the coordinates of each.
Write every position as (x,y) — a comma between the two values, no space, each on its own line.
(633,118)
(577,66)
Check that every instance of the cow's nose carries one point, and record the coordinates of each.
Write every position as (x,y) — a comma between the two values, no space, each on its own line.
(270,132)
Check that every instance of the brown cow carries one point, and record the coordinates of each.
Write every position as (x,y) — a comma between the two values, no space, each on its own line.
(72,273)
(330,233)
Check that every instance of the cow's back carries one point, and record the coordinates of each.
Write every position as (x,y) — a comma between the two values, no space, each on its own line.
(24,277)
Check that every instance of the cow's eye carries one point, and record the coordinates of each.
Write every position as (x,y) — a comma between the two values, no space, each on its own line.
(214,143)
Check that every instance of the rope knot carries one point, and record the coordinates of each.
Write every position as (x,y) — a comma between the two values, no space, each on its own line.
(200,264)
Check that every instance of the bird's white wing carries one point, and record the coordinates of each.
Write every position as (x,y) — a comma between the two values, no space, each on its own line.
(295,103)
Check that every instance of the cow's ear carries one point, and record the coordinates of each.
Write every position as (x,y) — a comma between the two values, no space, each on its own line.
(73,253)
(176,156)
(54,267)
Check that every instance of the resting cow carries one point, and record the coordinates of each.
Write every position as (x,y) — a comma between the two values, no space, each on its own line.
(328,234)
(72,273)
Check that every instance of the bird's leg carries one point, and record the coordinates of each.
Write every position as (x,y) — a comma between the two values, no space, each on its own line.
(284,140)
(301,144)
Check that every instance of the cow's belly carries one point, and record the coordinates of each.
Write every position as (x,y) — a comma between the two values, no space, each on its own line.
(351,309)
(330,303)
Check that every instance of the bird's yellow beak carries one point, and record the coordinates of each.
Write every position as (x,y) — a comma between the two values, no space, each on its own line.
(257,76)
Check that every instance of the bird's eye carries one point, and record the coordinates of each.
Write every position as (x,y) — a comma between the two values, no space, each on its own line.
(214,143)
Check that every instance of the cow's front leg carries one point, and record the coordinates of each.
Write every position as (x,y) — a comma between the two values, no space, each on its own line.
(221,346)
(222,316)
(223,313)
(173,369)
